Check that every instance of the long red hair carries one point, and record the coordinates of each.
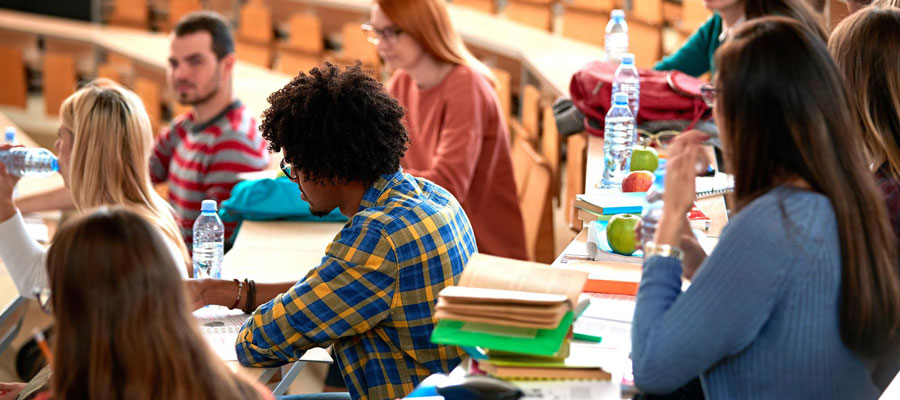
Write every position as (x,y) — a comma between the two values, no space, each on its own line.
(428,22)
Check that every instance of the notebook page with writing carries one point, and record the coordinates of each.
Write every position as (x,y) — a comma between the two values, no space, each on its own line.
(220,327)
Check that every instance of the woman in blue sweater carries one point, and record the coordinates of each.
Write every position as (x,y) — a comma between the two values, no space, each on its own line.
(801,296)
(696,56)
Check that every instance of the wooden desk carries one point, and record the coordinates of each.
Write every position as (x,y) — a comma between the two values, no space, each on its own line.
(279,251)
(550,59)
(149,51)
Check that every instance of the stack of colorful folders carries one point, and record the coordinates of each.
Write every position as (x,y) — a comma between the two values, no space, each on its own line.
(514,317)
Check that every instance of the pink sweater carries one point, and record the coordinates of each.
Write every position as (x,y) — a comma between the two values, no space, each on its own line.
(459,141)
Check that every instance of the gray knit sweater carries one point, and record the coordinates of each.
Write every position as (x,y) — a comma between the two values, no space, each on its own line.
(760,319)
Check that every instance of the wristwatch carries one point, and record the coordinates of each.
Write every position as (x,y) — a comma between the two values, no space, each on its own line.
(663,250)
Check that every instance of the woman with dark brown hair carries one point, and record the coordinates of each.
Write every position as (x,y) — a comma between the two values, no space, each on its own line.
(800,298)
(866,48)
(123,327)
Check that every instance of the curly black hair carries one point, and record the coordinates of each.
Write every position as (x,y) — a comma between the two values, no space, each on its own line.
(336,126)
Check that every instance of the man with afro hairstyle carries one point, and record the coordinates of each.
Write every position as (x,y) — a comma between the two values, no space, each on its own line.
(374,293)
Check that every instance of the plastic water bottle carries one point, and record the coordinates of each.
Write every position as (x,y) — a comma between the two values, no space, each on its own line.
(627,80)
(32,163)
(209,242)
(615,43)
(618,140)
(651,212)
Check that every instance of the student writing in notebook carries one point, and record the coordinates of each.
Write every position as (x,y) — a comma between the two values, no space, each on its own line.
(801,297)
(374,293)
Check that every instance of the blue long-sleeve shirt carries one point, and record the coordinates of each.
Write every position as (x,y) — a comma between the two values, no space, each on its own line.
(761,318)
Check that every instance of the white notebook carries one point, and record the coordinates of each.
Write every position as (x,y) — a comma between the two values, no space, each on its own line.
(221,326)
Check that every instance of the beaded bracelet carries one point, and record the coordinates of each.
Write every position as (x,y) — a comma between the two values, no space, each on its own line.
(237,300)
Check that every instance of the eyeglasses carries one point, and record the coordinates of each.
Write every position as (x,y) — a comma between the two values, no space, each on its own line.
(288,170)
(375,35)
(708,92)
(42,295)
(660,139)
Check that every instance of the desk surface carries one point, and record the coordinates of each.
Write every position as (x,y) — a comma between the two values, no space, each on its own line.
(252,84)
(713,207)
(278,251)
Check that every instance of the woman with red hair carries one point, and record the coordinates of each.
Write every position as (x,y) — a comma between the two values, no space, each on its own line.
(458,137)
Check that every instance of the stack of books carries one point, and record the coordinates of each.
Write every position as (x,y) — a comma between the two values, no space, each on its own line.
(603,204)
(515,318)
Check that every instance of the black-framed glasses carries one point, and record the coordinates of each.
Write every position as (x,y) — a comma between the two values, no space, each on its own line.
(709,92)
(42,295)
(288,170)
(375,35)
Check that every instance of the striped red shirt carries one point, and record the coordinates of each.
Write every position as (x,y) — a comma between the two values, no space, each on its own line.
(202,161)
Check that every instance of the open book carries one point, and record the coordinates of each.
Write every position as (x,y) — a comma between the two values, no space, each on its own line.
(509,305)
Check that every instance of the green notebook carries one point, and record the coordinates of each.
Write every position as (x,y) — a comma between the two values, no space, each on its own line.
(541,342)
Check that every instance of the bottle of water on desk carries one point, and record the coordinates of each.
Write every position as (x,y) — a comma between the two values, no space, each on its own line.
(209,242)
(628,81)
(32,163)
(615,43)
(651,210)
(618,140)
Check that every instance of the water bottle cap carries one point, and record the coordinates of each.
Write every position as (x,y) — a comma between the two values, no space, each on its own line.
(620,99)
(618,14)
(54,165)
(628,58)
(208,205)
(10,135)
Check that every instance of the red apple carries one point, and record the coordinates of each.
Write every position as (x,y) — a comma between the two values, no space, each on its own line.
(638,181)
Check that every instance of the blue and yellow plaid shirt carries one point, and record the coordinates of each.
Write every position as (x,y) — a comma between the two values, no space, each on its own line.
(374,293)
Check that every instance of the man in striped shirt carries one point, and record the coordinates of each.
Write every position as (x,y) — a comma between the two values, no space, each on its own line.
(374,292)
(203,151)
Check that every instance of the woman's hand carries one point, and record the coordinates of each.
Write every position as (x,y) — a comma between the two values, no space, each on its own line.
(686,159)
(9,391)
(691,250)
(7,185)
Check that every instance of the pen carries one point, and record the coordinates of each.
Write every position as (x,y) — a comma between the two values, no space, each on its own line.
(42,344)
(587,338)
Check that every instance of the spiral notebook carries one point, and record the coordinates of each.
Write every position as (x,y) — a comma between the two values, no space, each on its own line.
(718,184)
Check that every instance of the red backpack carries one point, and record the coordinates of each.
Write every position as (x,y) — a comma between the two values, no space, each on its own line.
(665,95)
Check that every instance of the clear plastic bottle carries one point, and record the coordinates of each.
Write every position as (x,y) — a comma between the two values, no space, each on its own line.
(615,43)
(627,80)
(29,162)
(618,140)
(652,208)
(209,242)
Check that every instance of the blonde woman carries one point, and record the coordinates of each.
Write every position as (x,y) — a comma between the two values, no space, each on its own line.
(104,145)
(458,138)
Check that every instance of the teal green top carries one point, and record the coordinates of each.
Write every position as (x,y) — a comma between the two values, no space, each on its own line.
(696,56)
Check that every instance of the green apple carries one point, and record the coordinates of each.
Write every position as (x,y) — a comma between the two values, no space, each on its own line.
(644,159)
(620,233)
